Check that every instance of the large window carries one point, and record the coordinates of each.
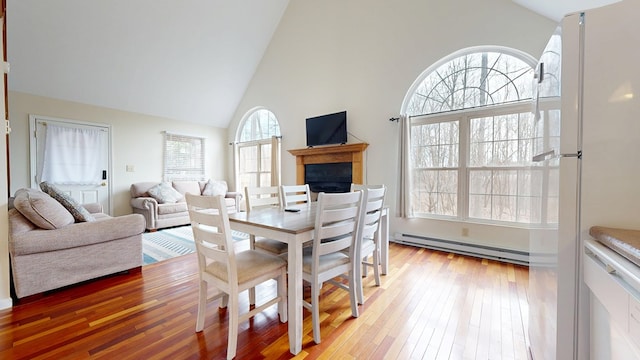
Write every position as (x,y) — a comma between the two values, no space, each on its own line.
(257,135)
(472,134)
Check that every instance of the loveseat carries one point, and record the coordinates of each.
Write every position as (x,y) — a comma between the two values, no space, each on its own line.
(51,247)
(163,204)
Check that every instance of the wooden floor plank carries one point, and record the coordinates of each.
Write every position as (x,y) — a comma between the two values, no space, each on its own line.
(431,305)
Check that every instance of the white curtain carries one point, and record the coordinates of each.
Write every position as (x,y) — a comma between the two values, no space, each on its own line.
(276,146)
(73,156)
(236,168)
(404,208)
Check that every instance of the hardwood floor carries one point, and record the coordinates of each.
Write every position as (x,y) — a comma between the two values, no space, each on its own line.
(432,305)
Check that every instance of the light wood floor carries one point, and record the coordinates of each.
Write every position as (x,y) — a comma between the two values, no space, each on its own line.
(432,305)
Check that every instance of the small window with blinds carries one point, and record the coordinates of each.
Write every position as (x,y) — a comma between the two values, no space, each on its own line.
(183,157)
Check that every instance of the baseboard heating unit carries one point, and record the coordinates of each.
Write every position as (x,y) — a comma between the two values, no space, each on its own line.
(481,251)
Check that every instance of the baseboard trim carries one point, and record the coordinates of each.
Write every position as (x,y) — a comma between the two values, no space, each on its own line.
(469,249)
(6,303)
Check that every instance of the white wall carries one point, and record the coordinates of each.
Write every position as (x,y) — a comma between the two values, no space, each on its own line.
(136,140)
(362,56)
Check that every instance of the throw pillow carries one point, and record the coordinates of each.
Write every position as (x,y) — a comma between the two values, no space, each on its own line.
(80,214)
(164,193)
(41,209)
(215,188)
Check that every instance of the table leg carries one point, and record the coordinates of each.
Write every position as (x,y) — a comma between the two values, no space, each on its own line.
(295,296)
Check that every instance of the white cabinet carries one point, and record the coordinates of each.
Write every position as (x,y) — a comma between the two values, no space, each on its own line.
(615,283)
(634,319)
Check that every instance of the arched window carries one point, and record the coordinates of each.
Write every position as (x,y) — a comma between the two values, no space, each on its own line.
(258,150)
(259,124)
(472,136)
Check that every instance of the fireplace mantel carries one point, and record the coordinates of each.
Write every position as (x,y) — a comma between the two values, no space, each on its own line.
(353,153)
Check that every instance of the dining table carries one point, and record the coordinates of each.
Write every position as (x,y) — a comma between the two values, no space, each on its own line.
(294,229)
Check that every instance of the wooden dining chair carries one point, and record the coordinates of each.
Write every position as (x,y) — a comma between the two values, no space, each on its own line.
(230,272)
(260,198)
(295,195)
(333,250)
(369,234)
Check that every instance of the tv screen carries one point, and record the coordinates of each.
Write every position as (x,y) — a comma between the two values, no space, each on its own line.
(327,129)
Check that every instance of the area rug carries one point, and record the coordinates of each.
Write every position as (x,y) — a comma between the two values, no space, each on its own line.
(168,243)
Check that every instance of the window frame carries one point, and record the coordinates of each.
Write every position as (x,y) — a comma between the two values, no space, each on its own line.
(464,118)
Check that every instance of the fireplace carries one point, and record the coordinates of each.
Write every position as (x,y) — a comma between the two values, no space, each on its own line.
(329,178)
(333,168)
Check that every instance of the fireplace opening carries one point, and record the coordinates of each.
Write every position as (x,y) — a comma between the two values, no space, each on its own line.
(329,178)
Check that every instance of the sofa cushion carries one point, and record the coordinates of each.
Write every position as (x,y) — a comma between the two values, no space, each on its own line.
(183,187)
(164,193)
(215,188)
(80,214)
(41,209)
(141,189)
(180,207)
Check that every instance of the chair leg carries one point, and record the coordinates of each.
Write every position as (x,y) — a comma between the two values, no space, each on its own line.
(365,270)
(252,291)
(359,292)
(315,311)
(224,301)
(232,341)
(282,293)
(202,306)
(252,296)
(353,286)
(376,267)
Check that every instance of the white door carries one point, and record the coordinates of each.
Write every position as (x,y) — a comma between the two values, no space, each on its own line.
(98,189)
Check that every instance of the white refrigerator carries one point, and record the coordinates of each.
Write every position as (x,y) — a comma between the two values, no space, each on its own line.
(587,170)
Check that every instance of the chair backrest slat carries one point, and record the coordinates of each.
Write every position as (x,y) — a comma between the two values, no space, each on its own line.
(295,194)
(336,222)
(262,197)
(374,202)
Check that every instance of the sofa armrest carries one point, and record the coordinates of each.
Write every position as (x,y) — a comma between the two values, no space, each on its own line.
(78,234)
(144,202)
(235,195)
(93,208)
(147,207)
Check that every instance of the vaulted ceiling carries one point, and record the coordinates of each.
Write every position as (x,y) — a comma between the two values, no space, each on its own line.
(189,60)
(556,9)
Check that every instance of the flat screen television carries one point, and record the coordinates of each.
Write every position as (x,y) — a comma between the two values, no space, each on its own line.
(327,129)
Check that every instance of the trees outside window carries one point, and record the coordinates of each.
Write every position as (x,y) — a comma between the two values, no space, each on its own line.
(472,136)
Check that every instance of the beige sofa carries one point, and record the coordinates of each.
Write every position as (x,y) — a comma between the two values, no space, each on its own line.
(50,249)
(166,207)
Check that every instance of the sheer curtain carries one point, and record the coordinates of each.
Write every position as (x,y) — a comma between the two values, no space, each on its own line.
(404,208)
(275,160)
(73,156)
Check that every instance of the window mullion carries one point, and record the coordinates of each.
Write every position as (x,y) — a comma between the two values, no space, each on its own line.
(259,163)
(463,172)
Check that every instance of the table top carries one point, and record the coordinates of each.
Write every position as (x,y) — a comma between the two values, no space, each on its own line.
(277,219)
